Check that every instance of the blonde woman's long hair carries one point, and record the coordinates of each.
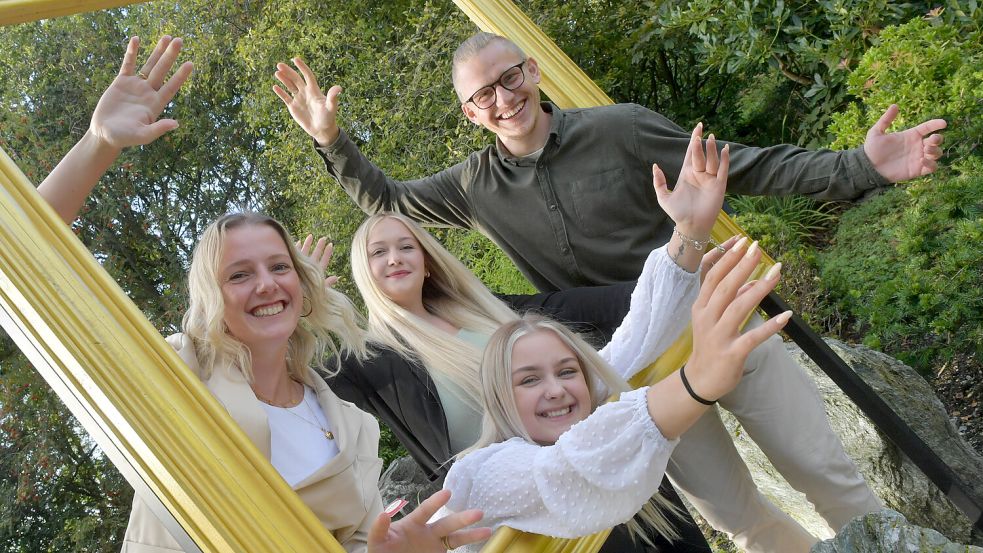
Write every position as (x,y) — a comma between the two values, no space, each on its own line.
(331,312)
(451,292)
(501,421)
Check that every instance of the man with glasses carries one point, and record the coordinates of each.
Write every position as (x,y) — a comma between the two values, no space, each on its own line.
(567,194)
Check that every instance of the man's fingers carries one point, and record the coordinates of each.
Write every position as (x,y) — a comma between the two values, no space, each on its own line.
(928,127)
(164,64)
(175,83)
(129,66)
(309,76)
(882,124)
(287,99)
(332,98)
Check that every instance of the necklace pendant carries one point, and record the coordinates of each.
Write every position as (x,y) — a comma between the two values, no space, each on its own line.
(328,434)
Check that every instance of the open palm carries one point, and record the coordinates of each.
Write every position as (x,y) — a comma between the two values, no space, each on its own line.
(699,192)
(310,108)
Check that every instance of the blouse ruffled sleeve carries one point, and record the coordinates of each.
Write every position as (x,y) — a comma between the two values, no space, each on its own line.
(598,474)
(658,314)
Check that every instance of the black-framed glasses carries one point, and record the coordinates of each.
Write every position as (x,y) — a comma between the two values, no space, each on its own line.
(511,79)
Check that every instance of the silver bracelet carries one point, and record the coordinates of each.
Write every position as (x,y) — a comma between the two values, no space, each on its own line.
(698,245)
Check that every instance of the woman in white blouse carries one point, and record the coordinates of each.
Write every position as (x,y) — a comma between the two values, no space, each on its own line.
(551,459)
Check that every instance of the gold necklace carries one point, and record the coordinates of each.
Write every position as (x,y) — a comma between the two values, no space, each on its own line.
(290,402)
(316,424)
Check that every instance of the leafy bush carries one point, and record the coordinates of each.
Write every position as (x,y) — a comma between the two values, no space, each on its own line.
(908,266)
(781,224)
(930,69)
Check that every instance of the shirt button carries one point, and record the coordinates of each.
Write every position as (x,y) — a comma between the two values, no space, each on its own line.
(564,250)
(552,207)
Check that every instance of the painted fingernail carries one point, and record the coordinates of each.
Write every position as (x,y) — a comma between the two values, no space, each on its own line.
(395,507)
(753,249)
(739,246)
(772,273)
(784,317)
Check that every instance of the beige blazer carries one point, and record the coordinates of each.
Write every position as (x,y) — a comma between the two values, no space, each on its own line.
(343,493)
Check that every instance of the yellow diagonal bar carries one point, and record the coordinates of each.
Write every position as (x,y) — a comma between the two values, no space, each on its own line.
(114,370)
(21,11)
(569,87)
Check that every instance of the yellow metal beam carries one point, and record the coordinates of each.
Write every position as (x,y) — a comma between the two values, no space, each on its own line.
(22,11)
(114,370)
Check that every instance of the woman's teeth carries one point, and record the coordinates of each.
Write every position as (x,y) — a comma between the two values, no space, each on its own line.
(556,413)
(268,310)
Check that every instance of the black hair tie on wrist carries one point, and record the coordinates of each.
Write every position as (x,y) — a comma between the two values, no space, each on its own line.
(692,394)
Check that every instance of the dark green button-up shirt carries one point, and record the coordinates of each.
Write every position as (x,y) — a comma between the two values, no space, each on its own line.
(585,213)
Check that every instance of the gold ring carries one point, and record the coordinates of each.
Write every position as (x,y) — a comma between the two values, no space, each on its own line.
(142,75)
(447,542)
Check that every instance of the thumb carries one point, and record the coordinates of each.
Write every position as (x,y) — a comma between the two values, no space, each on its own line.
(331,100)
(659,182)
(156,130)
(884,123)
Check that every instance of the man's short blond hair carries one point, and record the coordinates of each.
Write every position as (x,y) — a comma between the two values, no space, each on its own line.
(474,44)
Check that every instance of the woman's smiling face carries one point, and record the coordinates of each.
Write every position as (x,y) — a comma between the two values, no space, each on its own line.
(549,386)
(260,286)
(397,262)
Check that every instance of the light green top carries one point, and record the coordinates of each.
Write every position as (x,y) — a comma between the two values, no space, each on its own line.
(463,419)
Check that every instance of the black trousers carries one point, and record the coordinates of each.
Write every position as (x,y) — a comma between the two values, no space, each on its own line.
(691,539)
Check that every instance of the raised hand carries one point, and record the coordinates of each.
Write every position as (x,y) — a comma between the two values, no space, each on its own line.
(696,199)
(413,534)
(321,255)
(310,108)
(127,112)
(907,154)
(126,115)
(724,303)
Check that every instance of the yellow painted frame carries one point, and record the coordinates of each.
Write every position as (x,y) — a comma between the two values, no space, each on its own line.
(90,342)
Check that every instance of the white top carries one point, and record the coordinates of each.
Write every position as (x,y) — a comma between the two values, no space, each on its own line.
(603,469)
(298,446)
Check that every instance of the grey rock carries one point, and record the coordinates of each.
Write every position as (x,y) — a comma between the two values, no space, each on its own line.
(405,479)
(888,531)
(898,482)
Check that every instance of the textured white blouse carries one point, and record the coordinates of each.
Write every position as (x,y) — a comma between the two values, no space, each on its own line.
(603,469)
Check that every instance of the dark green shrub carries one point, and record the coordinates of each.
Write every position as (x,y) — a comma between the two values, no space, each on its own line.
(908,267)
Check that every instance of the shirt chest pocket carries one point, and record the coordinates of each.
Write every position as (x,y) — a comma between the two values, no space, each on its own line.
(602,202)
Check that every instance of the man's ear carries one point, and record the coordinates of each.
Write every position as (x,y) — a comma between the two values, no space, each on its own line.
(532,69)
(470,113)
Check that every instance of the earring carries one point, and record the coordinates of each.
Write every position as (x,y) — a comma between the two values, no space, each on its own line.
(426,274)
(310,307)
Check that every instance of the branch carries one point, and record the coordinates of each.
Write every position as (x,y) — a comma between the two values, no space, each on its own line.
(785,71)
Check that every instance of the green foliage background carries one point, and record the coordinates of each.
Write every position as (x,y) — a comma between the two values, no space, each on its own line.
(902,271)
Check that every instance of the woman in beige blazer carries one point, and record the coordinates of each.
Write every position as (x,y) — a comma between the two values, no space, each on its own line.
(258,315)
